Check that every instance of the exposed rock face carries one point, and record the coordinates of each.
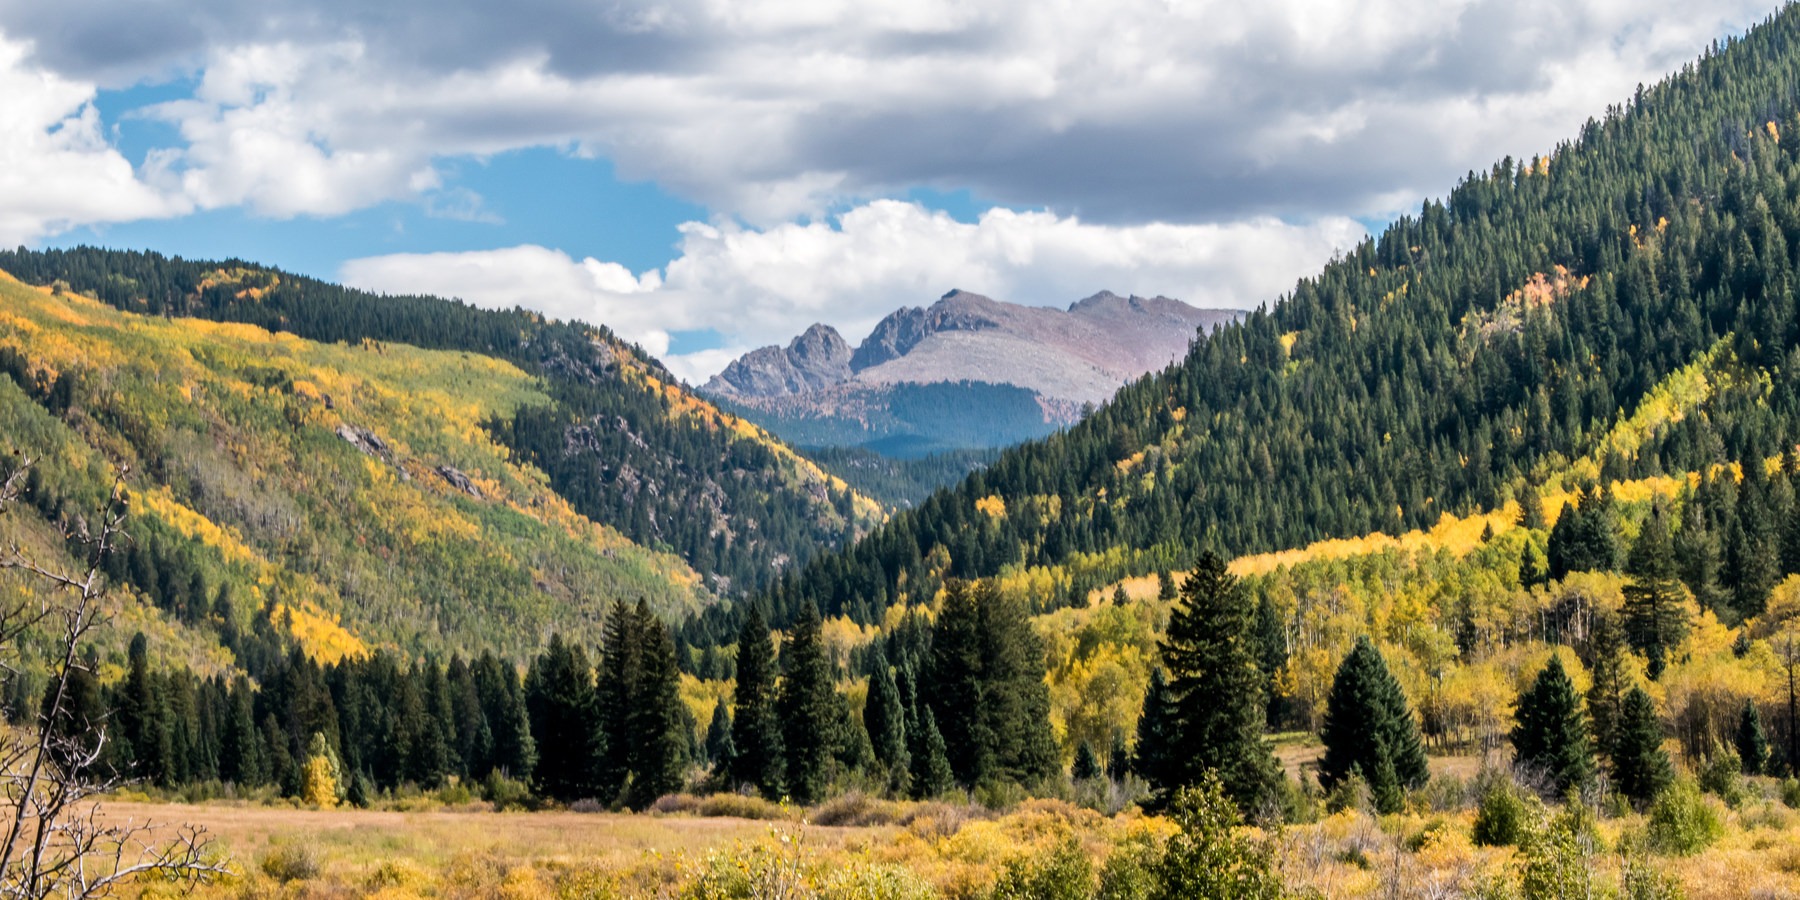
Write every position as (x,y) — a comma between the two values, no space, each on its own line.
(363,440)
(460,481)
(814,360)
(1079,355)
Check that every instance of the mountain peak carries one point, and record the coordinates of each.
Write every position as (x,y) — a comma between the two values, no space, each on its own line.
(816,359)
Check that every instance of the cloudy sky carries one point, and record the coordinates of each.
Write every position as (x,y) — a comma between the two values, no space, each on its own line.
(707,176)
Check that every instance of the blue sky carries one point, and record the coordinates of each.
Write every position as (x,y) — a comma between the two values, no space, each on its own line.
(709,178)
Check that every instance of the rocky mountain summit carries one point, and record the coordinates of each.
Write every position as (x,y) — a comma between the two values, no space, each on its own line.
(927,373)
(1081,354)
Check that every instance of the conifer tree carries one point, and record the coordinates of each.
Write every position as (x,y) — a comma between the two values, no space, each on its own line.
(1015,701)
(1697,554)
(1216,690)
(718,735)
(931,773)
(1165,586)
(559,695)
(1369,729)
(1606,691)
(503,705)
(1155,734)
(1655,612)
(1751,743)
(1550,736)
(807,708)
(885,720)
(657,723)
(1752,563)
(1531,508)
(755,730)
(616,687)
(952,686)
(1640,767)
(240,758)
(1087,765)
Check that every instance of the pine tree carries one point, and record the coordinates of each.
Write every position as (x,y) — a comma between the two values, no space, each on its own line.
(1531,508)
(1216,690)
(1165,586)
(1015,700)
(657,723)
(807,710)
(885,720)
(718,735)
(755,730)
(559,696)
(952,686)
(1087,765)
(1752,744)
(616,688)
(931,773)
(1156,734)
(1606,692)
(1696,548)
(1369,729)
(240,760)
(1752,564)
(1640,767)
(1550,736)
(1655,613)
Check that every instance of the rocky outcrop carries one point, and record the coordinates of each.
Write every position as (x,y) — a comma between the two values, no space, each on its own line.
(814,360)
(460,481)
(363,440)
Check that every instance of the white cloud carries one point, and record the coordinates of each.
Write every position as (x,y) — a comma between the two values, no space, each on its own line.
(763,286)
(56,168)
(1129,111)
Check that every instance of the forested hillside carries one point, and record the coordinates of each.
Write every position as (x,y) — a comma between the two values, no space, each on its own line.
(1468,352)
(619,438)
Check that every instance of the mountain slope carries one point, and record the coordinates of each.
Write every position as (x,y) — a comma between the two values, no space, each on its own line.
(619,438)
(1468,351)
(1000,372)
(349,491)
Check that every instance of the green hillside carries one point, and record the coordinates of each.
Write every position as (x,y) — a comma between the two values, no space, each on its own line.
(619,438)
(1468,351)
(349,488)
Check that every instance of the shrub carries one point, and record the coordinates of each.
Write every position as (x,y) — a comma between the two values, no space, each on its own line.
(1062,873)
(1790,792)
(1640,881)
(1504,816)
(1557,857)
(857,810)
(1126,874)
(291,862)
(1681,822)
(505,793)
(743,806)
(1208,857)
(1722,775)
(1351,792)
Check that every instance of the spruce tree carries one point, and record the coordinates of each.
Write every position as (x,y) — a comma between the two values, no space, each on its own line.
(1369,729)
(1531,508)
(1606,692)
(1165,586)
(755,730)
(952,685)
(1155,734)
(1216,690)
(1015,700)
(1087,765)
(1655,611)
(885,720)
(931,774)
(240,760)
(718,735)
(807,710)
(616,688)
(1752,744)
(1550,736)
(1118,760)
(1640,767)
(657,722)
(1697,554)
(559,695)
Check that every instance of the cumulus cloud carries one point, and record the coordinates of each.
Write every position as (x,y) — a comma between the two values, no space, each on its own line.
(56,168)
(762,286)
(1129,111)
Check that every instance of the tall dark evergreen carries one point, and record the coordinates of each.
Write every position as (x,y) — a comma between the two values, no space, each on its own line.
(559,695)
(718,735)
(885,719)
(1152,760)
(986,688)
(1697,553)
(1640,766)
(807,707)
(1550,738)
(1370,730)
(1751,743)
(1215,691)
(1606,689)
(1655,612)
(755,730)
(657,726)
(617,685)
(931,773)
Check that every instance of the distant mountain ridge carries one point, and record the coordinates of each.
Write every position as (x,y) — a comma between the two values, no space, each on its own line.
(966,372)
(1082,354)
